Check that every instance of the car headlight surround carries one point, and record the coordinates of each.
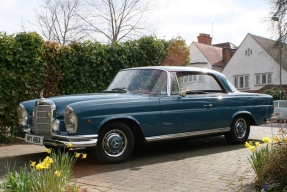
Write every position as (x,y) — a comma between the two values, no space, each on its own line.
(22,115)
(71,120)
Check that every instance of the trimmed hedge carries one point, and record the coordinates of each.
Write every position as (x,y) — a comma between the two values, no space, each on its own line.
(22,74)
(29,64)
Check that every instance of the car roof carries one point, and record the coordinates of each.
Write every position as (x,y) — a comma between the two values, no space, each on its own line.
(177,68)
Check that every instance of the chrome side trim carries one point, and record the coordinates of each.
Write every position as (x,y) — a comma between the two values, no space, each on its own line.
(188,134)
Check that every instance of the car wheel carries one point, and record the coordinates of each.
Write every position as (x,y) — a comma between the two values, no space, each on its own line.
(115,143)
(239,130)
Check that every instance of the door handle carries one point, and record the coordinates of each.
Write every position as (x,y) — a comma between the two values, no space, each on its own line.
(208,106)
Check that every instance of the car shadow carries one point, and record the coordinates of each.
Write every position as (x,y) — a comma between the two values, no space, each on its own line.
(156,153)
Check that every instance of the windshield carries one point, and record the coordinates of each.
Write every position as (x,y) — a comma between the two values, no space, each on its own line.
(146,81)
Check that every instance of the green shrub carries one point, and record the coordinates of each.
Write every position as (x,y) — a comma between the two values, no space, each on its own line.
(275,93)
(269,162)
(21,76)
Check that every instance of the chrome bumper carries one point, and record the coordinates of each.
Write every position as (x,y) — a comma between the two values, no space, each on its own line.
(77,141)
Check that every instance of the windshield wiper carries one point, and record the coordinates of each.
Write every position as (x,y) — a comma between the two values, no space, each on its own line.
(117,90)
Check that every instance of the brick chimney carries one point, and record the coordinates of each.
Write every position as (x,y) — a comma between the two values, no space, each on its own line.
(227,53)
(204,38)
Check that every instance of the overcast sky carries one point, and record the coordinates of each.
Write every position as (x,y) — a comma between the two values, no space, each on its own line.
(224,20)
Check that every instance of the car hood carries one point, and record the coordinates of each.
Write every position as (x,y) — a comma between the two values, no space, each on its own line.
(61,102)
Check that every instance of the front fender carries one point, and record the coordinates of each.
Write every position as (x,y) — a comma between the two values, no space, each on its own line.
(117,117)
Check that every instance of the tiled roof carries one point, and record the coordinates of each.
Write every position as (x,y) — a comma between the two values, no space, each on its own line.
(226,44)
(212,53)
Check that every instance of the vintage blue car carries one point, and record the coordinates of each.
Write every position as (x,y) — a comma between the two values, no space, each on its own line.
(145,104)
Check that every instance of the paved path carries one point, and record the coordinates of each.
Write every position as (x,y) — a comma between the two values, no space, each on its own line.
(196,165)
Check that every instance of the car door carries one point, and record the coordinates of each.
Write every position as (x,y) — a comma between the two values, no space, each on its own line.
(198,110)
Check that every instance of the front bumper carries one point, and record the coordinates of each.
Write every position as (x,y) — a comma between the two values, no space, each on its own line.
(62,141)
(77,141)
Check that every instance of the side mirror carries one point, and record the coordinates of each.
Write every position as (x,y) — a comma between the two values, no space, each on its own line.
(181,94)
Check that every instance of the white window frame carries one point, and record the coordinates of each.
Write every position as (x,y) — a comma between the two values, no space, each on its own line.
(263,78)
(241,81)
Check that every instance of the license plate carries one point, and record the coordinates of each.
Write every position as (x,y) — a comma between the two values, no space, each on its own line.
(38,140)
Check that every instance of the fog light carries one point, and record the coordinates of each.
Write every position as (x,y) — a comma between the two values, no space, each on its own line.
(56,125)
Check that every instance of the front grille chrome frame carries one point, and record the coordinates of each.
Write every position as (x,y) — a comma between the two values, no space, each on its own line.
(42,120)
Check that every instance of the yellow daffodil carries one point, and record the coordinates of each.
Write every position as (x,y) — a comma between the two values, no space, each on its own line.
(266,140)
(257,144)
(69,145)
(250,143)
(285,139)
(58,173)
(45,165)
(275,139)
(32,164)
(247,145)
(77,155)
(48,160)
(252,148)
(48,151)
(84,156)
(39,166)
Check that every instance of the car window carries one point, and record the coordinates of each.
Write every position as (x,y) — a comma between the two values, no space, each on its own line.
(146,81)
(197,83)
(174,84)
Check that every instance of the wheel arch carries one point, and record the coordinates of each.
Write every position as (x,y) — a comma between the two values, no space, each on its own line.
(246,114)
(132,123)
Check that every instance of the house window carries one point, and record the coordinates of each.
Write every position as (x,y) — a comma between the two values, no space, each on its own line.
(193,78)
(263,79)
(242,81)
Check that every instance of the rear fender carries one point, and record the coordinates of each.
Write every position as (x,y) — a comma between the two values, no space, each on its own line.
(246,113)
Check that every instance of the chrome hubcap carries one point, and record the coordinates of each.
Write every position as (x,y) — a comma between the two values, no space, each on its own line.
(240,128)
(114,143)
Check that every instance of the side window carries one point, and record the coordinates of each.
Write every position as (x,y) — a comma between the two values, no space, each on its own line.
(196,83)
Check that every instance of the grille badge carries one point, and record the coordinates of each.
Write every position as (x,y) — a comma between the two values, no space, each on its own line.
(48,115)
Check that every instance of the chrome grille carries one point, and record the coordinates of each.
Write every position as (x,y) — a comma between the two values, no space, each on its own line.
(42,120)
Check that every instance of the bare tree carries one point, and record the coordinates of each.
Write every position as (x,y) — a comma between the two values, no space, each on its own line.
(59,20)
(118,20)
(278,14)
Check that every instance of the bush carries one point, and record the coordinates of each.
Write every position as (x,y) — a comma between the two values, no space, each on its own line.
(274,171)
(275,93)
(21,76)
(269,162)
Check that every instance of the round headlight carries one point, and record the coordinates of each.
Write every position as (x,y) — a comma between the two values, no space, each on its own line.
(22,115)
(56,125)
(71,120)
